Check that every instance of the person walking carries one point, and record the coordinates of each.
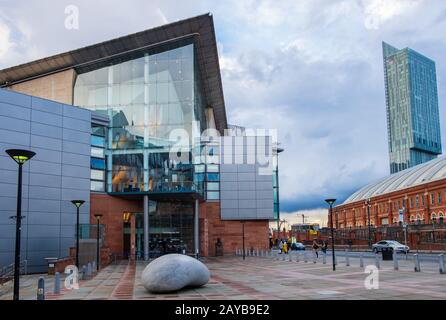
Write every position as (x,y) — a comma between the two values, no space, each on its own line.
(315,248)
(280,246)
(285,248)
(324,246)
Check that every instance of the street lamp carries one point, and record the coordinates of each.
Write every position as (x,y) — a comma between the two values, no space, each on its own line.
(19,156)
(98,218)
(369,222)
(77,203)
(330,203)
(243,238)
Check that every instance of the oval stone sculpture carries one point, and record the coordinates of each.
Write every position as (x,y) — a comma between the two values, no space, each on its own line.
(173,272)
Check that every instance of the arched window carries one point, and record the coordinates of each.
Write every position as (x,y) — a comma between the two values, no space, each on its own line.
(433,217)
(441,217)
(412,219)
(418,218)
(395,220)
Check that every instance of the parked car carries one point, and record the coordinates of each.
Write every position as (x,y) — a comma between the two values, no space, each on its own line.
(394,245)
(297,246)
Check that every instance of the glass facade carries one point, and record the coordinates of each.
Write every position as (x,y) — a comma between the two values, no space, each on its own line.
(156,115)
(412,108)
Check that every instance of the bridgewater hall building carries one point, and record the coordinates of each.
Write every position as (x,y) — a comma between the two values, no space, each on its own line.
(136,127)
(415,197)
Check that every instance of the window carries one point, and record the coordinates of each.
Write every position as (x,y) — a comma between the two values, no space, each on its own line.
(213,186)
(97,152)
(439,198)
(97,185)
(98,141)
(213,168)
(411,202)
(97,163)
(97,174)
(213,195)
(416,201)
(213,177)
(432,199)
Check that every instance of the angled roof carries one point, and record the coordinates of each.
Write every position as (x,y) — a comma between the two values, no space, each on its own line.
(199,28)
(423,173)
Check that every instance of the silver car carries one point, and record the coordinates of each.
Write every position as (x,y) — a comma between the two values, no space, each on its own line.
(394,245)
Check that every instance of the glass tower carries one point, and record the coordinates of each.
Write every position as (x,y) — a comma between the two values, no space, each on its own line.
(413,121)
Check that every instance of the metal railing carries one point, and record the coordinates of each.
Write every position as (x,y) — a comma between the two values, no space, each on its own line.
(7,272)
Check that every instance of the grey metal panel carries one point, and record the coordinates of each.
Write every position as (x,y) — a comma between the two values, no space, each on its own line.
(246,185)
(36,231)
(229,213)
(229,176)
(224,168)
(228,185)
(75,183)
(76,136)
(70,194)
(246,176)
(77,113)
(229,194)
(39,192)
(45,105)
(74,147)
(45,180)
(246,168)
(46,130)
(47,155)
(49,244)
(76,159)
(75,171)
(43,218)
(8,176)
(11,97)
(69,219)
(229,204)
(247,203)
(46,142)
(10,203)
(250,194)
(44,205)
(76,124)
(45,167)
(46,118)
(264,203)
(6,244)
(8,123)
(23,113)
(19,138)
(8,190)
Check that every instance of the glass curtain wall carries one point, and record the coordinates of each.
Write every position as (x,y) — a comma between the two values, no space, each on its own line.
(156,114)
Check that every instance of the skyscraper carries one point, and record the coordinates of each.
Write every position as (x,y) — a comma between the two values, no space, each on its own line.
(413,121)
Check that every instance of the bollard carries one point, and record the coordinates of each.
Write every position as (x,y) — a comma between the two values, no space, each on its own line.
(442,265)
(314,257)
(84,271)
(93,267)
(361,260)
(305,257)
(89,270)
(417,267)
(347,258)
(57,283)
(290,258)
(297,256)
(283,256)
(41,289)
(324,258)
(377,261)
(257,252)
(395,261)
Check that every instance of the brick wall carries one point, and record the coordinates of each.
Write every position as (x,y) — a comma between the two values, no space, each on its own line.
(229,232)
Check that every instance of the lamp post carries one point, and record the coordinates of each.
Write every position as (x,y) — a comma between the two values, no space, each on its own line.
(77,203)
(20,156)
(243,238)
(369,222)
(98,260)
(330,203)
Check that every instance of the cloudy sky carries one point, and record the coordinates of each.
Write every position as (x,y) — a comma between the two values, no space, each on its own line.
(310,68)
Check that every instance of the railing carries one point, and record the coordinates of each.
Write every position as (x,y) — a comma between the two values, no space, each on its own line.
(7,272)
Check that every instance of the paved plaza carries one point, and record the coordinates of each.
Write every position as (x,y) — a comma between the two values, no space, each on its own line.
(257,278)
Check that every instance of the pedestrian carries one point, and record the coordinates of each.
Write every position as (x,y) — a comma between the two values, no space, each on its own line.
(315,248)
(280,246)
(285,248)
(324,246)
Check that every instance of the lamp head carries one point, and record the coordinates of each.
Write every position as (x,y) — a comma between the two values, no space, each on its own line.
(77,203)
(330,201)
(98,216)
(20,156)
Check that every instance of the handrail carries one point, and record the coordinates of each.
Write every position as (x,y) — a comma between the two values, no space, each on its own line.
(7,272)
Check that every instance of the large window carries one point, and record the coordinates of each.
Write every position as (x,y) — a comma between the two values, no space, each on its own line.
(151,99)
